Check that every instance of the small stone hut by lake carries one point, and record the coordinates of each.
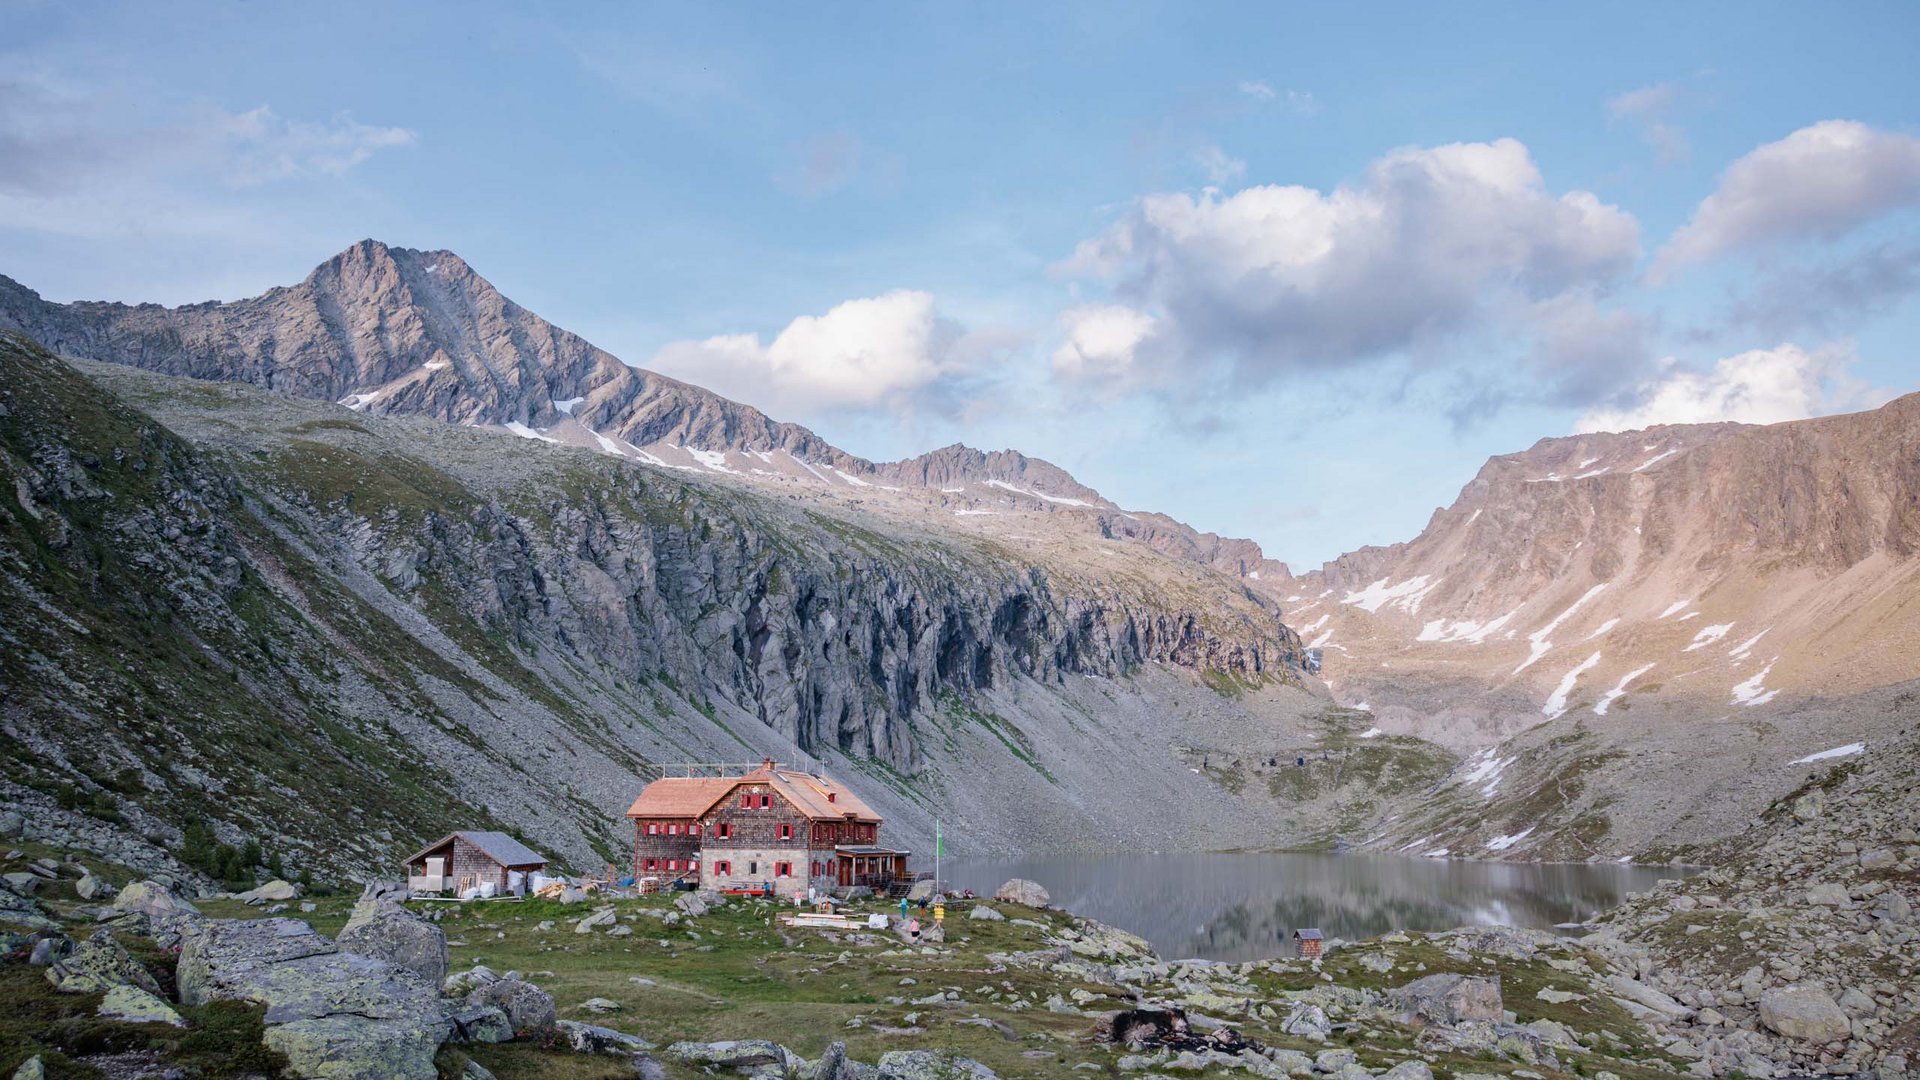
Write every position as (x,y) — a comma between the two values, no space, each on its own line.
(473,859)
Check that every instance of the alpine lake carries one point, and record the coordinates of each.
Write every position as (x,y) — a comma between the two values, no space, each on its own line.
(1237,906)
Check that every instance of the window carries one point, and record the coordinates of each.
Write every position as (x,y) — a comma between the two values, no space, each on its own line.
(746,802)
(766,802)
(723,830)
(694,865)
(653,828)
(723,868)
(651,863)
(816,868)
(786,832)
(753,868)
(673,864)
(784,869)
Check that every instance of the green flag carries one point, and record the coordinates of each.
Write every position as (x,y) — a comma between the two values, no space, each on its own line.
(939,845)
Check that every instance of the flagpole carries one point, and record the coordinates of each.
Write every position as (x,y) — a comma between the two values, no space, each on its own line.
(936,854)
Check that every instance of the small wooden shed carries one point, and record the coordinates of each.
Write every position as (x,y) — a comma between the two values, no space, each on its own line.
(466,860)
(1307,942)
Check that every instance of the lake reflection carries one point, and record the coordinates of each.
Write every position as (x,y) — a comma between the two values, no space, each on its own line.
(1239,907)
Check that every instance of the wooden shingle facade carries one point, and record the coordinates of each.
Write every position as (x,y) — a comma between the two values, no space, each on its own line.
(770,830)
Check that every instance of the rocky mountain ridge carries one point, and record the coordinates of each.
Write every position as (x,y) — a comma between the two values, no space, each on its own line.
(395,331)
(337,630)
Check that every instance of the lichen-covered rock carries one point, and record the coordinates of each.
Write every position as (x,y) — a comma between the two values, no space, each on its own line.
(1451,999)
(985,913)
(389,932)
(728,1053)
(462,983)
(134,1004)
(1805,1013)
(930,1065)
(1023,892)
(90,887)
(1307,1021)
(526,1005)
(480,1023)
(592,1039)
(97,965)
(333,1014)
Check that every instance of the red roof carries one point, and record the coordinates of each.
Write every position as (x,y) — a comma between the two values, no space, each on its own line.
(680,797)
(816,797)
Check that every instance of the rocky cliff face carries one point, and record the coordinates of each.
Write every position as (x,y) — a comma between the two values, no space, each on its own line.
(351,632)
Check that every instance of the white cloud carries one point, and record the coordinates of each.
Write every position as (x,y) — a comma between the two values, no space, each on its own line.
(83,161)
(1101,342)
(1299,101)
(1763,386)
(1644,107)
(1819,182)
(1641,101)
(892,352)
(1429,242)
(1220,166)
(262,146)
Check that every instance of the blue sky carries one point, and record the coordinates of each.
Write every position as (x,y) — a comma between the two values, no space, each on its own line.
(1289,272)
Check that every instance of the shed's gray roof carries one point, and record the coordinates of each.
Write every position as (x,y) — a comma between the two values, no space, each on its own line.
(498,846)
(1308,935)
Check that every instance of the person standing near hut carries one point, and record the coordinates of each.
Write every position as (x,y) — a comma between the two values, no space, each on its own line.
(913,930)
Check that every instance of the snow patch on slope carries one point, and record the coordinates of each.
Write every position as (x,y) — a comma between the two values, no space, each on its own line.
(1620,688)
(1708,635)
(1751,692)
(1848,750)
(1557,702)
(1406,595)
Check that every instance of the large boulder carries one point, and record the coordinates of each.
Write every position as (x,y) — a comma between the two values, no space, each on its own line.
(138,1006)
(696,904)
(593,1039)
(1805,1013)
(931,1065)
(1632,992)
(90,887)
(389,932)
(1307,1021)
(1451,999)
(527,1006)
(275,891)
(1023,892)
(729,1054)
(333,1014)
(922,890)
(480,1023)
(985,914)
(462,983)
(152,899)
(603,917)
(99,964)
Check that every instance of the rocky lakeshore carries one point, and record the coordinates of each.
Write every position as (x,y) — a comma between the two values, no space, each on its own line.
(1794,959)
